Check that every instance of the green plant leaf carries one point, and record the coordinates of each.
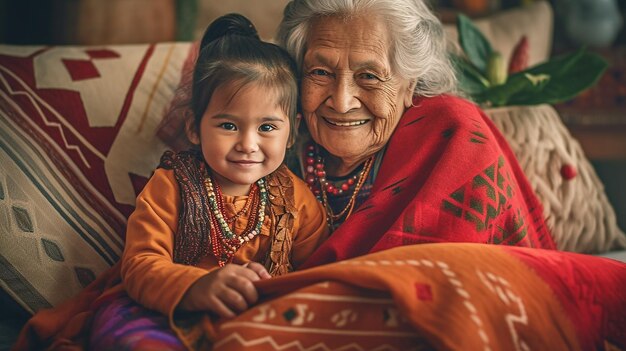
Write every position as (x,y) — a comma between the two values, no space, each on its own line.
(464,67)
(501,95)
(569,75)
(521,87)
(556,66)
(471,81)
(557,80)
(473,43)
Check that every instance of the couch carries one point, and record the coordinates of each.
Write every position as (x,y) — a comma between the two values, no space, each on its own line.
(81,129)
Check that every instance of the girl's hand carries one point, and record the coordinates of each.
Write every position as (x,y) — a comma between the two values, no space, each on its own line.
(226,291)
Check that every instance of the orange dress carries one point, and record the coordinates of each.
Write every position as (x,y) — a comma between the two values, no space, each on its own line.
(147,271)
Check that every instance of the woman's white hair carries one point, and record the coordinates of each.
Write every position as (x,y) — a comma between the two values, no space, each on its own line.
(418,49)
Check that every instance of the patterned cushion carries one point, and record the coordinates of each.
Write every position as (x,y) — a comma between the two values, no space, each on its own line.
(577,210)
(77,143)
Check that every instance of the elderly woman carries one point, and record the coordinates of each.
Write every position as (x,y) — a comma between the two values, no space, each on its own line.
(394,159)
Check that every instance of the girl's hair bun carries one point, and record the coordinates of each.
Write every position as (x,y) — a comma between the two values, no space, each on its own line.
(231,24)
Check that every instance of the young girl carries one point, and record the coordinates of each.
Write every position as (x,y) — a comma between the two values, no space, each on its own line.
(213,220)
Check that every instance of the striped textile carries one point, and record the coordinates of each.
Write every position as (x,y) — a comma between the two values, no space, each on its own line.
(77,143)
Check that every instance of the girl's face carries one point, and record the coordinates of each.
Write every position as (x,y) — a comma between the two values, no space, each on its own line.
(243,136)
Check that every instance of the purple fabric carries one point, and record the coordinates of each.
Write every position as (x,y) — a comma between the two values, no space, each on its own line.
(123,324)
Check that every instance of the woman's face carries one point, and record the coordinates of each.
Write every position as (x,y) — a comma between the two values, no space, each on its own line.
(352,100)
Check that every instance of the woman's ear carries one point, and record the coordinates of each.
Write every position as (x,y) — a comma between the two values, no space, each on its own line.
(296,127)
(297,121)
(192,131)
(408,96)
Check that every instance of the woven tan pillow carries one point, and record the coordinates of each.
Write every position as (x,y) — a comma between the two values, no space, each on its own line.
(575,205)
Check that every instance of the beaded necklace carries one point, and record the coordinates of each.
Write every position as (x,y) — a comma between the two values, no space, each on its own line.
(224,243)
(317,182)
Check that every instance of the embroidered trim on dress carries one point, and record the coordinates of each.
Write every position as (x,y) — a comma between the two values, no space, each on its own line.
(192,242)
(282,201)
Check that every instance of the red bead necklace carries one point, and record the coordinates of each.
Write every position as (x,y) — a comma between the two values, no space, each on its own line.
(315,172)
(224,242)
(316,180)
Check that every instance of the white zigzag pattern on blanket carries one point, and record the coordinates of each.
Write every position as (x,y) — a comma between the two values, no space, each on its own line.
(275,346)
(450,275)
(29,95)
(495,284)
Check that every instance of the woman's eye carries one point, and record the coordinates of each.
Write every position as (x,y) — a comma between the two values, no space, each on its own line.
(266,128)
(228,126)
(319,72)
(368,76)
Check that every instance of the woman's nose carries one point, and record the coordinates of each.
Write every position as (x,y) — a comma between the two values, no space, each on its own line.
(343,97)
(247,143)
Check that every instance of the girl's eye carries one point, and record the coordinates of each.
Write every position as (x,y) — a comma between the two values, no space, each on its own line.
(228,126)
(266,128)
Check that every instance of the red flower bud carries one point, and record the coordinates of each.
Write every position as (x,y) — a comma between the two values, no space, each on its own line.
(519,59)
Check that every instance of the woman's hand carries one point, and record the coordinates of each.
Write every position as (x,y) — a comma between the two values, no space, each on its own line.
(226,291)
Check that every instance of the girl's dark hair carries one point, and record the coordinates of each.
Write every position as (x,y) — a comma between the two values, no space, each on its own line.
(231,52)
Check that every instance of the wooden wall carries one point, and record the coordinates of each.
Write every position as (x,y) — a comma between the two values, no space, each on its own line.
(85,22)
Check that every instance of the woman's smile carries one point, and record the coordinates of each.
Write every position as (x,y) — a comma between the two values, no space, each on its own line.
(340,123)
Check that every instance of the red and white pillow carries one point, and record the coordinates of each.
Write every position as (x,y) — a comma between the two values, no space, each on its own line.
(77,143)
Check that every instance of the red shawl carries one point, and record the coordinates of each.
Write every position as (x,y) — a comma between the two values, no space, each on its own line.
(447,175)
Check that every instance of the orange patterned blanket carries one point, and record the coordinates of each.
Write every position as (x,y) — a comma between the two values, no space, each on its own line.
(448,296)
(436,296)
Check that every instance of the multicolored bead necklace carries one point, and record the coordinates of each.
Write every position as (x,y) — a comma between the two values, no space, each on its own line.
(316,180)
(224,243)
